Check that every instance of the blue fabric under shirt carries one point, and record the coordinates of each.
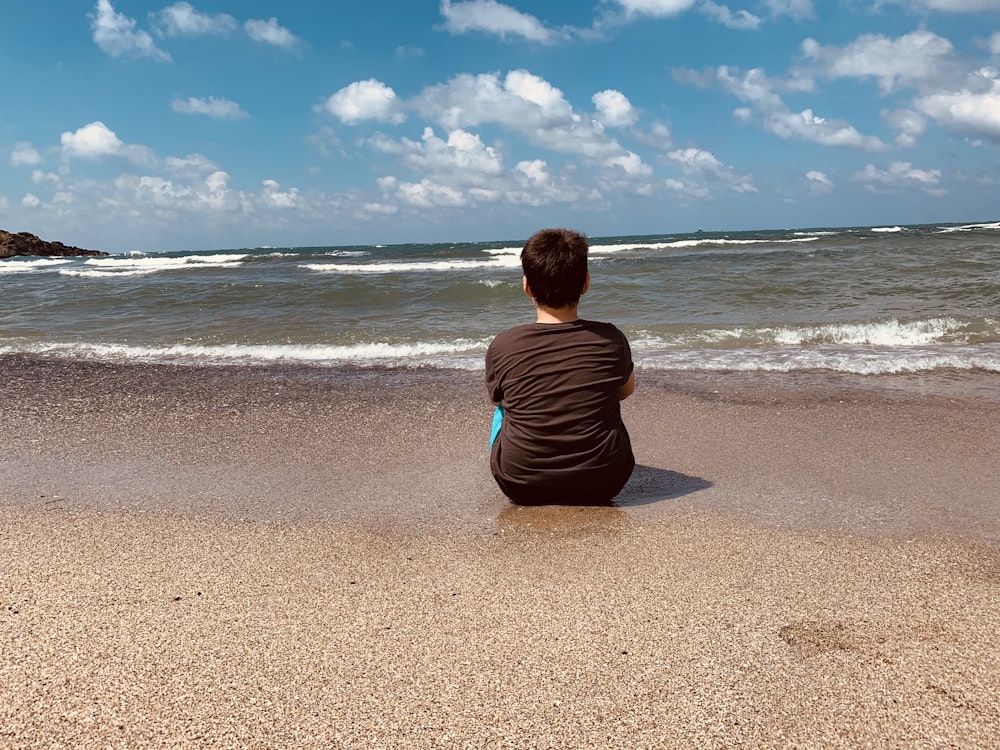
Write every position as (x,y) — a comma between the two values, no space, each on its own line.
(497,421)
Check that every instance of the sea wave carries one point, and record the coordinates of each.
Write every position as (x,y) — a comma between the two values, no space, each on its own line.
(469,354)
(854,360)
(885,333)
(143,266)
(970,227)
(599,249)
(453,353)
(30,266)
(411,266)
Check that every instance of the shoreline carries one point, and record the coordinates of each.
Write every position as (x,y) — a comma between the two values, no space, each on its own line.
(407,448)
(293,557)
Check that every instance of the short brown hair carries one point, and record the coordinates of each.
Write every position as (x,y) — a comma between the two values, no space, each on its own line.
(555,264)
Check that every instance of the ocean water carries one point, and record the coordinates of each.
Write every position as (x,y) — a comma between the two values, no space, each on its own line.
(868,301)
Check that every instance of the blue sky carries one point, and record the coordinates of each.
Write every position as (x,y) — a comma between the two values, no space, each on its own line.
(131,124)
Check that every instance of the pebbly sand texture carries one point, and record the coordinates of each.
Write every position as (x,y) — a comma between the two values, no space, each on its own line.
(240,557)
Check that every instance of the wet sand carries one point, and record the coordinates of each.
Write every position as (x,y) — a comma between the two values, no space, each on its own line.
(252,557)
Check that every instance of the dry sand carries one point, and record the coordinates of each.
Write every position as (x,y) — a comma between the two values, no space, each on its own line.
(264,558)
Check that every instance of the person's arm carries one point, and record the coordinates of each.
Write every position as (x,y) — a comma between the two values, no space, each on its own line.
(628,387)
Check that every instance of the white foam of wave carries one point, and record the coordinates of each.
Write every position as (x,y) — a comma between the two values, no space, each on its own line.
(468,355)
(969,227)
(883,333)
(686,244)
(678,244)
(154,262)
(412,266)
(889,230)
(144,265)
(347,253)
(859,361)
(28,266)
(887,334)
(455,353)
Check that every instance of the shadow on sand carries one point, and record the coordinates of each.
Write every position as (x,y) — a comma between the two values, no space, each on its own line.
(651,485)
(567,519)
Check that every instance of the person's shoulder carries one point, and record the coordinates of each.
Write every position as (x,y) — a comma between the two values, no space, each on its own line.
(607,329)
(509,334)
(515,330)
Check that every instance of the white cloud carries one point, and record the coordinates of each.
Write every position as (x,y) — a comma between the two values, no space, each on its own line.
(494,18)
(116,34)
(614,108)
(631,164)
(695,161)
(24,155)
(909,126)
(30,200)
(952,6)
(521,102)
(97,140)
(917,59)
(819,182)
(463,157)
(214,193)
(181,19)
(808,126)
(92,141)
(153,199)
(657,137)
(741,19)
(965,111)
(271,194)
(194,164)
(757,88)
(536,170)
(687,189)
(271,32)
(798,9)
(365,100)
(964,101)
(655,8)
(39,177)
(901,174)
(462,171)
(219,109)
(423,194)
(385,209)
(161,192)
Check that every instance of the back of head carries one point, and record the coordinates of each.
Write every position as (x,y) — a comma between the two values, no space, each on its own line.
(555,265)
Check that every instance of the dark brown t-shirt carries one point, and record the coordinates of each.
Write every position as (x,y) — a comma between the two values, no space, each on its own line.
(562,439)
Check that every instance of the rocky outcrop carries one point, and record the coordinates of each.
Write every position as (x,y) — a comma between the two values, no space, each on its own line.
(23,243)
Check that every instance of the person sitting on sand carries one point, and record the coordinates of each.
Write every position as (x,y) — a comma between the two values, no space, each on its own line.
(558,435)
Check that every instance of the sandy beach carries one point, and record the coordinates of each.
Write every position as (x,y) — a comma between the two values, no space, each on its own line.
(296,557)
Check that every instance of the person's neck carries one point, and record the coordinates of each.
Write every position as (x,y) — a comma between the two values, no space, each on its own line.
(552,315)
